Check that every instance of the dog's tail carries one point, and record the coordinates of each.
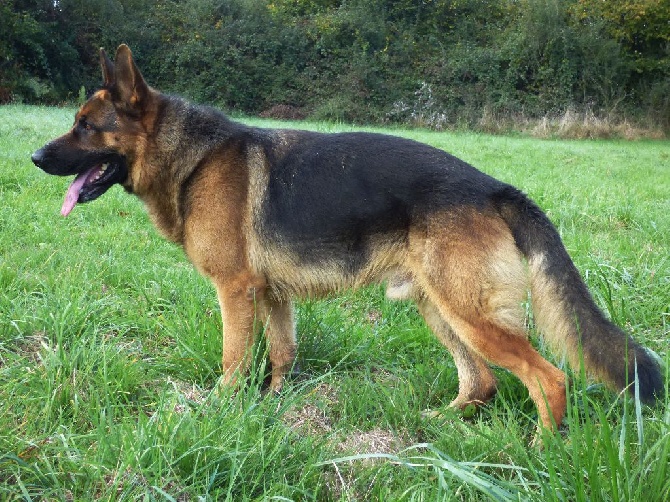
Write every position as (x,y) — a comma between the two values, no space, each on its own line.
(564,311)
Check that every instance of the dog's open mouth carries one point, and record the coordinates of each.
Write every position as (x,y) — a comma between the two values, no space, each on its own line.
(92,183)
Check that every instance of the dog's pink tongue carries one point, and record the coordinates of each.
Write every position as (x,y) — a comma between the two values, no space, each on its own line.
(72,194)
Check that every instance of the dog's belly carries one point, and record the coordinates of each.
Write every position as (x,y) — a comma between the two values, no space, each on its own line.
(289,275)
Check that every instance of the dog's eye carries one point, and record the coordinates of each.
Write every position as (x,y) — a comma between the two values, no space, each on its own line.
(83,124)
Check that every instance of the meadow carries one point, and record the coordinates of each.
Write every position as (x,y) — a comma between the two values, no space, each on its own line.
(110,348)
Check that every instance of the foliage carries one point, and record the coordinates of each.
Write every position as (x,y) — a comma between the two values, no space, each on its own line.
(359,60)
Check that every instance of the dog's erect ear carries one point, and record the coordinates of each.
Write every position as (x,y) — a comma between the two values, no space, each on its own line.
(107,69)
(130,91)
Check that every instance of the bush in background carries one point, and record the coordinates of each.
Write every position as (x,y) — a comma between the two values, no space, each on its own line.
(442,63)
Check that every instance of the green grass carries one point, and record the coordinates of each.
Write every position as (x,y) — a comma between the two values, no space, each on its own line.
(110,352)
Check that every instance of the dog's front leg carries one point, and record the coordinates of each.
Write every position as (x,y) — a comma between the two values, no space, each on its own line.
(278,317)
(238,297)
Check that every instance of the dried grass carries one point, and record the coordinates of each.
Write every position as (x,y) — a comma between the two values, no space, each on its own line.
(312,417)
(570,124)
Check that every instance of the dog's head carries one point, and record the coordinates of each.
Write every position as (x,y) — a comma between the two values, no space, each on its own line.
(101,147)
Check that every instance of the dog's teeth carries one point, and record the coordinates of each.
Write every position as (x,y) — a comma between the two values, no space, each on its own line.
(104,167)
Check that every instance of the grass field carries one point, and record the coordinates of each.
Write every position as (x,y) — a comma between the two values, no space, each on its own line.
(110,351)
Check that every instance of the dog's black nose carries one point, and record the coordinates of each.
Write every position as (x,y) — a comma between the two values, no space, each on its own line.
(37,157)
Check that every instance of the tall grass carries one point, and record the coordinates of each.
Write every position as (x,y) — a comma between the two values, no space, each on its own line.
(110,350)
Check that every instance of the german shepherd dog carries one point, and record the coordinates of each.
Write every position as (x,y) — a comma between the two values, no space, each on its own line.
(269,215)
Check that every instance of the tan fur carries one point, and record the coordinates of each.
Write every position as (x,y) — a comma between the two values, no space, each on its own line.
(278,318)
(557,324)
(102,94)
(476,383)
(550,312)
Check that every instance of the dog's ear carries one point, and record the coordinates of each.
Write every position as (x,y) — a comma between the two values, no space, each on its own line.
(130,91)
(107,69)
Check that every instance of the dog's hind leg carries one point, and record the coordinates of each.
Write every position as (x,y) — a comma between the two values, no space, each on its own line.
(472,271)
(278,317)
(476,383)
(512,351)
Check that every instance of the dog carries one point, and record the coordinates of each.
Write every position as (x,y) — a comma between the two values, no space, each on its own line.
(270,215)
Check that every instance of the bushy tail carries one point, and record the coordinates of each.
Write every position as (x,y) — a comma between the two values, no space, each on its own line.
(564,310)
